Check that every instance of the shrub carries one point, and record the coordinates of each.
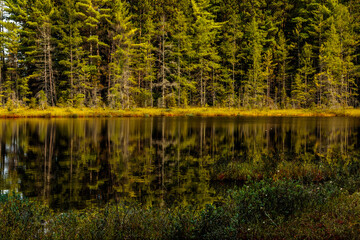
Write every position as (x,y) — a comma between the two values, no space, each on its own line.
(265,209)
(21,218)
(215,223)
(268,200)
(338,219)
(33,103)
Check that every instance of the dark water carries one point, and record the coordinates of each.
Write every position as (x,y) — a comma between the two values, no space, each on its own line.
(77,163)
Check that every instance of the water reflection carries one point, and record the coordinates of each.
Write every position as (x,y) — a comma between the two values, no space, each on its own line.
(76,163)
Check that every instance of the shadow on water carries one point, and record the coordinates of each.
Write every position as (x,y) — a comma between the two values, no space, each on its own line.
(77,163)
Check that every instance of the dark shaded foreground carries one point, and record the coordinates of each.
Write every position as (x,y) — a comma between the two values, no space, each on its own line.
(265,209)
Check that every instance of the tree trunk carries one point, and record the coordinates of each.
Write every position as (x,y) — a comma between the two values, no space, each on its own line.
(2,52)
(233,72)
(151,82)
(179,82)
(46,86)
(51,73)
(163,62)
(213,90)
(268,87)
(201,88)
(71,73)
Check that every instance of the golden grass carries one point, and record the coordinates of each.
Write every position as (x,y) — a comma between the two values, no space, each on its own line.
(54,112)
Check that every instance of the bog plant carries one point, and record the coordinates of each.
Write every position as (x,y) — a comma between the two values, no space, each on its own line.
(264,209)
(21,218)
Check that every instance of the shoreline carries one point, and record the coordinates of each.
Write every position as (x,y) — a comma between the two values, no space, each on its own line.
(58,112)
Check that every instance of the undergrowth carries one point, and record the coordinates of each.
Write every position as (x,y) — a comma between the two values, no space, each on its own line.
(265,209)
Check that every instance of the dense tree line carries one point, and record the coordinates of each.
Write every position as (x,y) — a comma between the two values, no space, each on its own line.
(165,53)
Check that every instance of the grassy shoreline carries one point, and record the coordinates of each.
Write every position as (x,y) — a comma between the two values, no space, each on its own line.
(57,112)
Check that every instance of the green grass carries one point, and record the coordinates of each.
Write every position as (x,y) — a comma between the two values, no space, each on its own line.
(68,112)
(265,209)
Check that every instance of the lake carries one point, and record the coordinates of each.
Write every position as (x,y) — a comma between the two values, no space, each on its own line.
(79,163)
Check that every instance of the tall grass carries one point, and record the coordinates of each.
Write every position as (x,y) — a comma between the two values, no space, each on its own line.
(69,112)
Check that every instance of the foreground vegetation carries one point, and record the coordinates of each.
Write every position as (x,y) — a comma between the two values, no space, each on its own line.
(266,209)
(170,112)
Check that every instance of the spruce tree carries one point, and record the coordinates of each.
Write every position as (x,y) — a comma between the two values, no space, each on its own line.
(144,65)
(2,49)
(122,51)
(231,36)
(254,87)
(91,14)
(182,46)
(205,53)
(71,53)
(282,52)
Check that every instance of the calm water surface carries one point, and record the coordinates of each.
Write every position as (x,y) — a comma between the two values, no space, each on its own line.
(78,163)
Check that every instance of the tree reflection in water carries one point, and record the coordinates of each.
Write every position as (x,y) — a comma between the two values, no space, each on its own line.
(77,163)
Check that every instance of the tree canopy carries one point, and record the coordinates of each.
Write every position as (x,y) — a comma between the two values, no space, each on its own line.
(167,53)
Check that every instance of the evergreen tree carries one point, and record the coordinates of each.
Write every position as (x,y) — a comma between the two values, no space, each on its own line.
(181,53)
(144,65)
(335,58)
(40,18)
(269,75)
(282,52)
(120,81)
(177,53)
(15,89)
(254,88)
(163,61)
(21,52)
(230,48)
(71,53)
(205,53)
(306,76)
(2,49)
(297,93)
(90,13)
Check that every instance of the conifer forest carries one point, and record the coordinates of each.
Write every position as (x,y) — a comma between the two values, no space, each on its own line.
(178,53)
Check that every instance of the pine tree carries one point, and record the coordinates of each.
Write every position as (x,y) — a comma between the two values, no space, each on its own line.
(282,52)
(306,75)
(330,58)
(197,52)
(205,53)
(232,35)
(298,92)
(354,11)
(182,49)
(144,62)
(317,24)
(163,78)
(34,19)
(269,66)
(119,88)
(91,14)
(2,49)
(254,87)
(335,58)
(22,54)
(71,53)
(348,42)
(15,89)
